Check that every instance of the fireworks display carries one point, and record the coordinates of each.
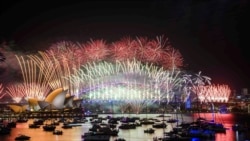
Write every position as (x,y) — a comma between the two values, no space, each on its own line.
(139,71)
(214,93)
(126,80)
(130,81)
(34,85)
(156,51)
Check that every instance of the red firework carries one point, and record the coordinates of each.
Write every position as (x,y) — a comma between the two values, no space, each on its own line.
(157,51)
(16,92)
(96,50)
(171,59)
(213,93)
(61,48)
(150,51)
(124,49)
(66,51)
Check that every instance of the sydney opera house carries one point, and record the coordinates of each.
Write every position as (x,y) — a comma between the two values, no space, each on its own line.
(58,99)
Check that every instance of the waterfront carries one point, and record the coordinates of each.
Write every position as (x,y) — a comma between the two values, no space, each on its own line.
(137,134)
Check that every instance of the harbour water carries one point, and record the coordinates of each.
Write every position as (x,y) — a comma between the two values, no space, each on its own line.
(75,133)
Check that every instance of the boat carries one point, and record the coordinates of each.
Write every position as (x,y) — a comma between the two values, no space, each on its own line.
(149,130)
(210,125)
(38,121)
(49,127)
(128,119)
(159,125)
(108,125)
(120,139)
(162,115)
(57,132)
(97,138)
(127,126)
(200,132)
(22,137)
(172,120)
(217,127)
(67,126)
(146,121)
(113,121)
(174,137)
(109,131)
(80,120)
(95,127)
(34,126)
(95,121)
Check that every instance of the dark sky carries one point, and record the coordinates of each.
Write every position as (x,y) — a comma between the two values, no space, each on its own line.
(210,34)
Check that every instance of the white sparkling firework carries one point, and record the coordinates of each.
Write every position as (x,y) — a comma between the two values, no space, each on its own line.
(129,81)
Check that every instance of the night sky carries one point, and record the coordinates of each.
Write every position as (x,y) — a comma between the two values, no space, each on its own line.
(210,34)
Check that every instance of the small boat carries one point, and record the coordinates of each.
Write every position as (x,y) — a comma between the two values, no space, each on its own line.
(120,139)
(172,120)
(109,131)
(34,126)
(66,126)
(22,137)
(38,121)
(49,127)
(199,132)
(96,137)
(147,121)
(159,125)
(175,137)
(57,132)
(217,127)
(127,126)
(149,130)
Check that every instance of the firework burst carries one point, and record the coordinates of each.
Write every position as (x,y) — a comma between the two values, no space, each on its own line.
(125,49)
(16,91)
(96,50)
(214,93)
(1,91)
(35,85)
(54,71)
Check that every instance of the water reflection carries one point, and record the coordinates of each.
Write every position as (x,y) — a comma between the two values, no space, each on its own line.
(137,134)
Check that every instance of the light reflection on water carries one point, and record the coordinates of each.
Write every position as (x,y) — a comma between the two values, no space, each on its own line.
(137,134)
